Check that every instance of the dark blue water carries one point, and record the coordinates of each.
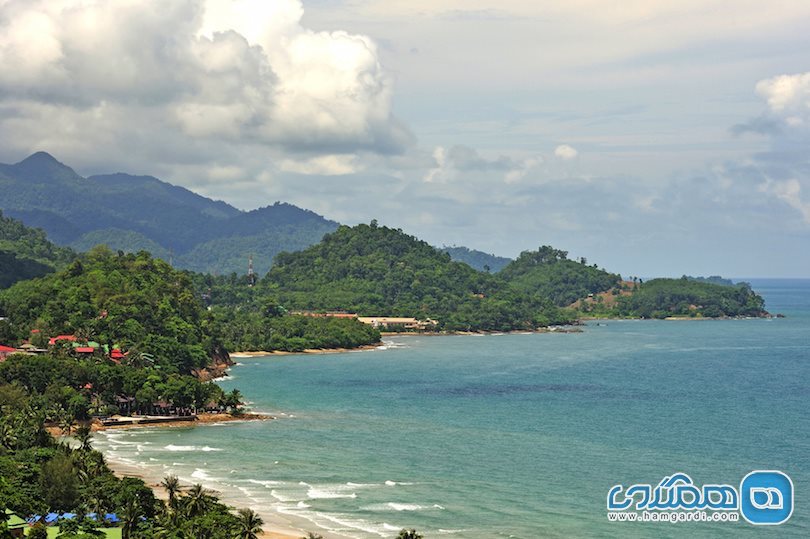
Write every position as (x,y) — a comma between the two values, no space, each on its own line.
(511,435)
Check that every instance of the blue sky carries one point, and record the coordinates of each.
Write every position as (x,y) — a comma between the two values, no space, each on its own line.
(653,137)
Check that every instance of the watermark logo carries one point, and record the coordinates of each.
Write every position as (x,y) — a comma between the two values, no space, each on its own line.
(766,497)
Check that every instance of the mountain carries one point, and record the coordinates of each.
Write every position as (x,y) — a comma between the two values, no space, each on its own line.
(132,213)
(378,271)
(25,253)
(477,259)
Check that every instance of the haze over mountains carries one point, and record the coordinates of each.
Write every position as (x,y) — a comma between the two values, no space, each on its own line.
(133,213)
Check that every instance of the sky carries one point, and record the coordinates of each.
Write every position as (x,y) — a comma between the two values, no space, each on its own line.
(653,137)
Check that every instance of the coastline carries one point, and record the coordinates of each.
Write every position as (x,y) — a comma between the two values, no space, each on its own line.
(308,351)
(274,527)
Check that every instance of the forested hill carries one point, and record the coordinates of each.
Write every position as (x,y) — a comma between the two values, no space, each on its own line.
(375,271)
(132,213)
(548,271)
(684,297)
(26,253)
(132,301)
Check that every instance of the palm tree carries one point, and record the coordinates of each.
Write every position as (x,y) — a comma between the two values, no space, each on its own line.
(84,436)
(409,534)
(65,423)
(131,517)
(196,500)
(311,535)
(250,524)
(172,485)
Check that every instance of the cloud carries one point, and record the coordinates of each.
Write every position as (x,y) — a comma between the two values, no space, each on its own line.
(565,152)
(789,191)
(464,161)
(787,94)
(215,72)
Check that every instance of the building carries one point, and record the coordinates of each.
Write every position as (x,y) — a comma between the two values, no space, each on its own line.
(398,323)
(6,351)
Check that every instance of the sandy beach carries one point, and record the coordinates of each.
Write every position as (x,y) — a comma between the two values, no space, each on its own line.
(275,526)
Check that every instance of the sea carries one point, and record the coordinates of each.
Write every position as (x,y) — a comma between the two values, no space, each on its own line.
(512,435)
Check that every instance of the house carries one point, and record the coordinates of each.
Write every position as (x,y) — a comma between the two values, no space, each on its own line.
(398,323)
(15,524)
(6,351)
(58,338)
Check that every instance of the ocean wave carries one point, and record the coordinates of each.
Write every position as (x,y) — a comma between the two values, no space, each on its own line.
(188,448)
(201,474)
(282,497)
(395,506)
(327,492)
(266,484)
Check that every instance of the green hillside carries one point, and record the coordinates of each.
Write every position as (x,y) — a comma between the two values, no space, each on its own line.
(660,298)
(374,270)
(26,253)
(131,300)
(549,272)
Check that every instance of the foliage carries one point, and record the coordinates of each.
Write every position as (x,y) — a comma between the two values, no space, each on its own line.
(133,301)
(254,330)
(374,271)
(477,259)
(714,279)
(26,253)
(549,272)
(40,475)
(409,534)
(660,298)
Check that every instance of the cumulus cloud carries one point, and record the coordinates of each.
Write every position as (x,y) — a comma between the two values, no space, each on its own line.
(212,71)
(787,95)
(565,152)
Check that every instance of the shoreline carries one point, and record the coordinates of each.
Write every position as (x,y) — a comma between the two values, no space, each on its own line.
(308,351)
(274,527)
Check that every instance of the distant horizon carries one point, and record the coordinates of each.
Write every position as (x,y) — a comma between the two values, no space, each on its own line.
(437,245)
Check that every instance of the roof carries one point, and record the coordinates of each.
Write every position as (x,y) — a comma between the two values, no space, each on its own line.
(84,349)
(54,340)
(13,521)
(117,354)
(7,349)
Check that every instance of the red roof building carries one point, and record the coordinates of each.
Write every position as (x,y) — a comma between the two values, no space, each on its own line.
(5,351)
(84,350)
(54,340)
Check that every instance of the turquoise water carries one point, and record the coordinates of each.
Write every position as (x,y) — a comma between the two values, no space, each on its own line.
(510,435)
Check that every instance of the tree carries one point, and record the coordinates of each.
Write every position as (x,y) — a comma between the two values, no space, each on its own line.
(131,517)
(250,524)
(84,435)
(172,485)
(409,534)
(38,531)
(59,482)
(196,501)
